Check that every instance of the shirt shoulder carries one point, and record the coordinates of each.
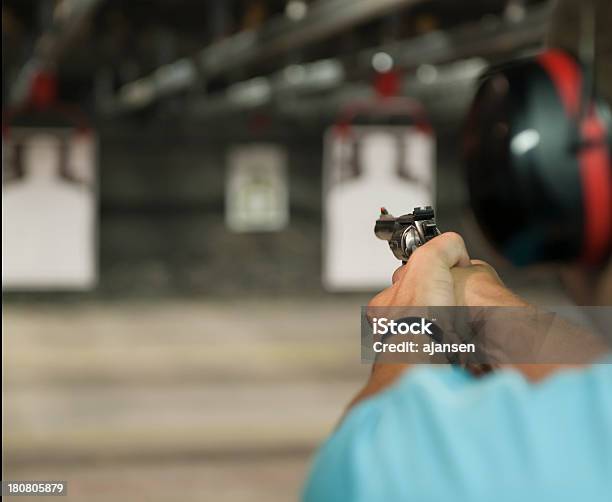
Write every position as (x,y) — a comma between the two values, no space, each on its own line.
(439,433)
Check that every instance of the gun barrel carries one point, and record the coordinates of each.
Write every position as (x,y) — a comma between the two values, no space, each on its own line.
(384,228)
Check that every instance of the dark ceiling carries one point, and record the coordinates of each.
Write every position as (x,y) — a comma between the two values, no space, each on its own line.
(125,40)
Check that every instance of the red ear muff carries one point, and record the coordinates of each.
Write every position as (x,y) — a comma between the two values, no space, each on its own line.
(566,76)
(596,175)
(538,165)
(593,153)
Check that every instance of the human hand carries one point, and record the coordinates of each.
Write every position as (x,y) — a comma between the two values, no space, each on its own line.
(440,273)
(524,338)
(427,279)
(479,286)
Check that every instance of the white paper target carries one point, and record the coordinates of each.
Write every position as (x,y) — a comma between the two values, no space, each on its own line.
(366,168)
(257,195)
(48,210)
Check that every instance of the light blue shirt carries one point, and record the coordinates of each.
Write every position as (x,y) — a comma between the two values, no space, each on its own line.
(440,434)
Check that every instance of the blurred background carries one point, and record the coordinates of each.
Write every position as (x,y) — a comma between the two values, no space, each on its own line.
(182,298)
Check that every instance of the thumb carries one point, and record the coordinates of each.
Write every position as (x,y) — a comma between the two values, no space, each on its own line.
(448,249)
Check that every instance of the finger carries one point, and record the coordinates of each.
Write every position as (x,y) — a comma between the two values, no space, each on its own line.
(377,306)
(398,274)
(484,265)
(380,299)
(480,262)
(447,249)
(453,250)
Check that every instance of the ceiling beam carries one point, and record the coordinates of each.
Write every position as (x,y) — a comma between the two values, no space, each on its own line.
(485,40)
(68,18)
(279,35)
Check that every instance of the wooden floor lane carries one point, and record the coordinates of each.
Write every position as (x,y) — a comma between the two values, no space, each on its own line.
(175,400)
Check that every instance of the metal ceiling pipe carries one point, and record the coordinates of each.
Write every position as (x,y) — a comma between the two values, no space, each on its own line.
(490,39)
(68,18)
(485,41)
(323,19)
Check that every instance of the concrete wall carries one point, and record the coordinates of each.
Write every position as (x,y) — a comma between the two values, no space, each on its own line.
(162,218)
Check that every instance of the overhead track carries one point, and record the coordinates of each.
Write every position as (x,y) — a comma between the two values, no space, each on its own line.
(68,18)
(487,41)
(323,19)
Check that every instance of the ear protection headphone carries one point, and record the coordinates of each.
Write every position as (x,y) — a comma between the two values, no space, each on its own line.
(538,157)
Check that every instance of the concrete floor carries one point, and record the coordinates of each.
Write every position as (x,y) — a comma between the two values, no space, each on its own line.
(179,400)
(175,400)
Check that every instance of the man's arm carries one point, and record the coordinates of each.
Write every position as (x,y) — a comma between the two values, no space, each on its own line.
(427,279)
(440,273)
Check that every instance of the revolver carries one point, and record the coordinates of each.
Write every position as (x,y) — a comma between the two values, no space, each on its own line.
(407,232)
